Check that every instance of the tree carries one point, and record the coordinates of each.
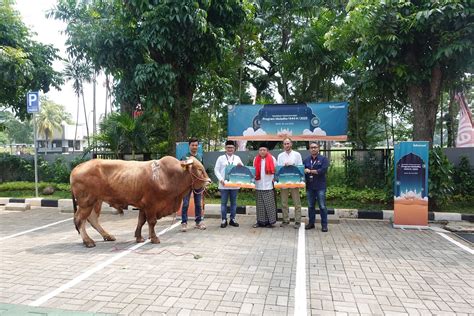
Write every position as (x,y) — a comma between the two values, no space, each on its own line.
(156,50)
(285,51)
(25,65)
(121,133)
(408,49)
(50,118)
(79,71)
(15,130)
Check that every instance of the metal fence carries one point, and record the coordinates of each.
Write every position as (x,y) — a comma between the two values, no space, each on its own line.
(354,167)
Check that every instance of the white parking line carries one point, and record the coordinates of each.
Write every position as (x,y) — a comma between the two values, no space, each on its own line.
(300,287)
(90,272)
(34,229)
(457,243)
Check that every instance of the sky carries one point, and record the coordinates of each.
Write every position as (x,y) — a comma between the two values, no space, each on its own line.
(49,31)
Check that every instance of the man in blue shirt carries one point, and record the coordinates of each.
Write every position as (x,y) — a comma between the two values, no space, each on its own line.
(315,168)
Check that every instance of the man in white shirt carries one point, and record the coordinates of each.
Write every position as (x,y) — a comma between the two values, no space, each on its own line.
(219,170)
(290,158)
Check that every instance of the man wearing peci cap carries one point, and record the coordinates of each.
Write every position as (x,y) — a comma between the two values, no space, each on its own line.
(219,170)
(264,165)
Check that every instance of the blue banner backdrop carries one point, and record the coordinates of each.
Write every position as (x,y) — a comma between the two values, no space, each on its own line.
(302,121)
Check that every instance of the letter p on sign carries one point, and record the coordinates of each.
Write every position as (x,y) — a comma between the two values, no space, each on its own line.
(32,102)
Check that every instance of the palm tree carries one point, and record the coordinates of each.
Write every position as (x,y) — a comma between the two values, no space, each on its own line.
(79,71)
(50,118)
(119,132)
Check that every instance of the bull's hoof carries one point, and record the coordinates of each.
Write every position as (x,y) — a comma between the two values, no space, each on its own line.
(89,244)
(109,238)
(140,239)
(155,240)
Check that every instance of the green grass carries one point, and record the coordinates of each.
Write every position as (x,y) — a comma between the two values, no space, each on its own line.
(460,207)
(31,193)
(245,198)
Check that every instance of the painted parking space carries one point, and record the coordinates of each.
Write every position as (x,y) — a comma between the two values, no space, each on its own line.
(358,267)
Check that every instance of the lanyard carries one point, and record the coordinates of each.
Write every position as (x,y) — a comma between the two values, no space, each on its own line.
(229,162)
(313,162)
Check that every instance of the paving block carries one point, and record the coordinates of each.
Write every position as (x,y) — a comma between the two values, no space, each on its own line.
(440,216)
(387,214)
(251,210)
(346,213)
(17,207)
(291,212)
(65,206)
(34,201)
(212,210)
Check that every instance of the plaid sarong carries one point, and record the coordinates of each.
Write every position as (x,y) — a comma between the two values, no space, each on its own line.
(266,207)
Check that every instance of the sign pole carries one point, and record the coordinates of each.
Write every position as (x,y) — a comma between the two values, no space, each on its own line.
(33,106)
(36,154)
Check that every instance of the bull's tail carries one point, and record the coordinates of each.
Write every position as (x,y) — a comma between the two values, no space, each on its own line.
(74,205)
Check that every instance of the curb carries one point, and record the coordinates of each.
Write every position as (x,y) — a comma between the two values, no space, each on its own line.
(65,206)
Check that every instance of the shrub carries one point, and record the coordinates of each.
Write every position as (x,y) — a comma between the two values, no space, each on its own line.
(463,177)
(15,168)
(440,179)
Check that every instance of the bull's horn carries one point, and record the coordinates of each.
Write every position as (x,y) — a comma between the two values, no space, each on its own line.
(186,163)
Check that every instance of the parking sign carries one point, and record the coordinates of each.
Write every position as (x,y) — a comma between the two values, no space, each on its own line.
(32,102)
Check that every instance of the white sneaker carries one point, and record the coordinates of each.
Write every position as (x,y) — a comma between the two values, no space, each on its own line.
(184,227)
(200,226)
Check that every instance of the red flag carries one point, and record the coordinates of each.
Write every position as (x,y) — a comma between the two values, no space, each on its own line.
(466,128)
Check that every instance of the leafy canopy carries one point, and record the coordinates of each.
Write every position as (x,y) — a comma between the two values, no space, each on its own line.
(25,65)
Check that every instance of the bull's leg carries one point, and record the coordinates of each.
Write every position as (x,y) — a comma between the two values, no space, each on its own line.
(80,221)
(151,219)
(141,222)
(93,219)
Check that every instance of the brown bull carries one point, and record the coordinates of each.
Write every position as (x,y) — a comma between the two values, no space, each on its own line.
(155,187)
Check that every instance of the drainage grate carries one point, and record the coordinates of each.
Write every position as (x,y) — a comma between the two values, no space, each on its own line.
(466,236)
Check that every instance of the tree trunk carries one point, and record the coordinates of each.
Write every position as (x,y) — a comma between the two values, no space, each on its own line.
(46,147)
(85,117)
(106,94)
(180,114)
(77,123)
(450,120)
(424,98)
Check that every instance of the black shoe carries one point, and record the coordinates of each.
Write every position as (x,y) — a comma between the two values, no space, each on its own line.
(297,225)
(309,226)
(224,225)
(283,224)
(233,223)
(324,229)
